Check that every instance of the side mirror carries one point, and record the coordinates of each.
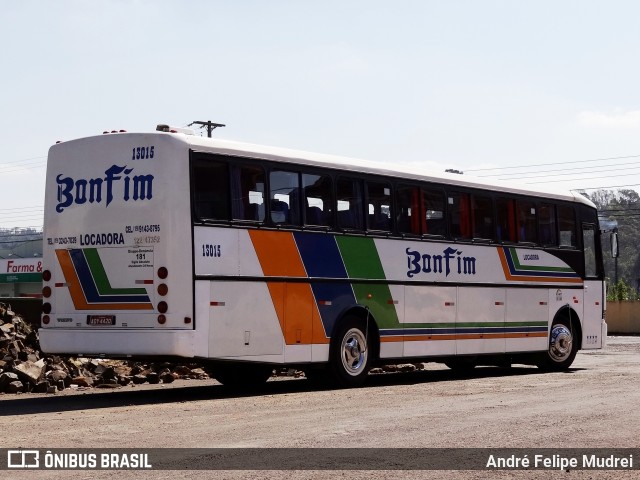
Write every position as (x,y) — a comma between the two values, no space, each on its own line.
(614,245)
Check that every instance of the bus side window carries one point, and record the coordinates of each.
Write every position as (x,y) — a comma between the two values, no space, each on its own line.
(483,223)
(567,226)
(547,221)
(435,224)
(349,204)
(247,186)
(409,207)
(211,190)
(506,228)
(527,222)
(460,215)
(379,208)
(318,200)
(284,200)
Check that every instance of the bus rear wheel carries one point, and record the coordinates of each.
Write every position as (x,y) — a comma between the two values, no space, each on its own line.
(563,347)
(350,353)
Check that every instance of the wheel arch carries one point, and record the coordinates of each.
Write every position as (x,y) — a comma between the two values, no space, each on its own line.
(363,314)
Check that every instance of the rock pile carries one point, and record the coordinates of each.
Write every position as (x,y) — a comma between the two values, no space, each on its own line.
(24,368)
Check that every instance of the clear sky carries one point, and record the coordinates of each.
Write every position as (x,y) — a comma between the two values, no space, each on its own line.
(466,84)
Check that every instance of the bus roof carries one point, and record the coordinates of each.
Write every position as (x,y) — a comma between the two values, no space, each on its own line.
(396,170)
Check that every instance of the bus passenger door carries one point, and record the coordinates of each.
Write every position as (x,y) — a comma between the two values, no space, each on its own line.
(592,321)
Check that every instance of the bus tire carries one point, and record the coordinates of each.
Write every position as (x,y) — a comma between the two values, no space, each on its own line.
(350,353)
(562,349)
(242,375)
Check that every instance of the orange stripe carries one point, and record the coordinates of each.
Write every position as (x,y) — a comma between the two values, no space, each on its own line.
(475,336)
(294,303)
(70,276)
(277,292)
(277,253)
(77,295)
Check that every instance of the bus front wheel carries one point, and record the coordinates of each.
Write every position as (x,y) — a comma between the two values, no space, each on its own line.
(563,347)
(350,353)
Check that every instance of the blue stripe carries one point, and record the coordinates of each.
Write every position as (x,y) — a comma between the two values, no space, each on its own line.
(320,255)
(322,259)
(459,330)
(89,286)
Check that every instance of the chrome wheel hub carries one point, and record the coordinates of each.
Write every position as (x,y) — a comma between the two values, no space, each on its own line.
(560,343)
(354,352)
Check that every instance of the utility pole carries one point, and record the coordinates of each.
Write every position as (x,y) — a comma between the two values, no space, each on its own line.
(209,124)
(615,252)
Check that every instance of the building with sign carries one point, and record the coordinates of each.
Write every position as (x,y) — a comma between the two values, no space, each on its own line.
(21,277)
(20,263)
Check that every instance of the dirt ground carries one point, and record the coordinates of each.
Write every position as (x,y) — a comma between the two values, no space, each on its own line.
(595,404)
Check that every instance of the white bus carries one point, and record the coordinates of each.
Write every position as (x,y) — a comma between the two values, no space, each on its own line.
(246,257)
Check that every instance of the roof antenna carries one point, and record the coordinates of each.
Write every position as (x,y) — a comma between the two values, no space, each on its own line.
(209,124)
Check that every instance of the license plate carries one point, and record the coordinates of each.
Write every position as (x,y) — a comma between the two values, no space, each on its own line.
(99,320)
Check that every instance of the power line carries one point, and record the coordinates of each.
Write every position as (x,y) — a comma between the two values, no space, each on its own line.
(572,171)
(576,179)
(553,163)
(11,211)
(575,176)
(41,207)
(610,186)
(23,160)
(23,167)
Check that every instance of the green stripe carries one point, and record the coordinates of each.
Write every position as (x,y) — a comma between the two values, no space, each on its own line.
(101,279)
(361,260)
(360,257)
(533,268)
